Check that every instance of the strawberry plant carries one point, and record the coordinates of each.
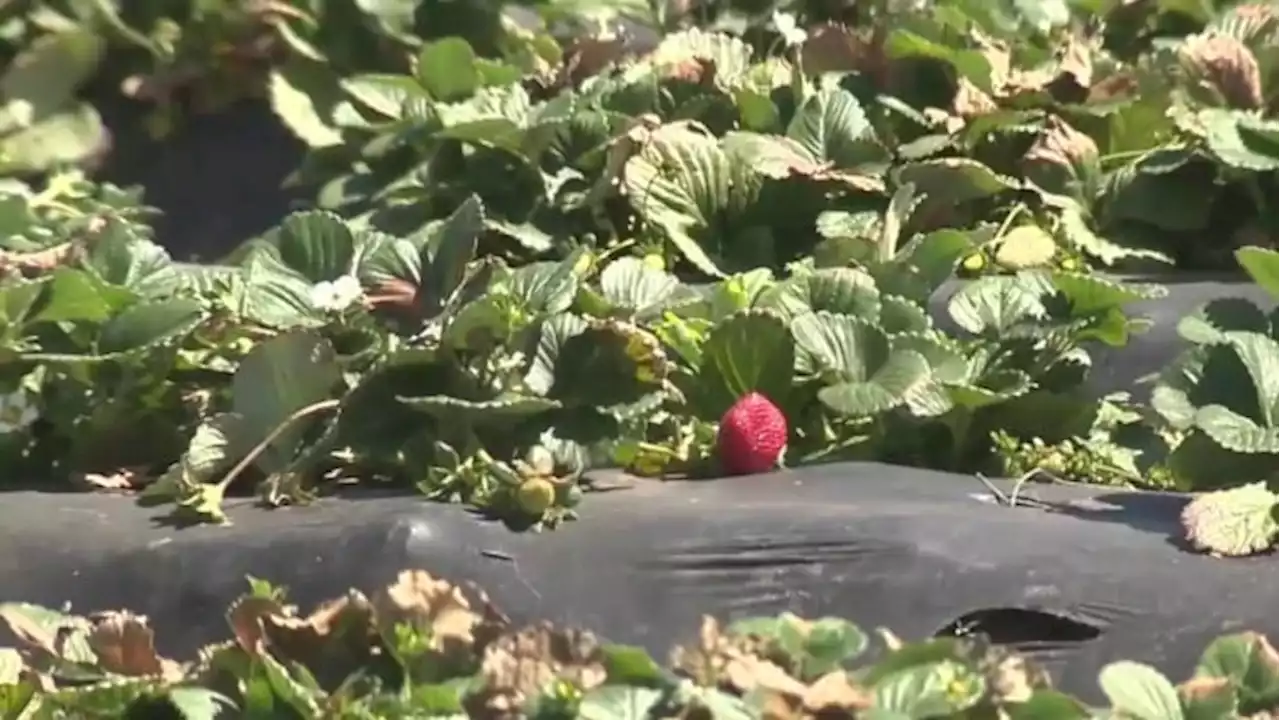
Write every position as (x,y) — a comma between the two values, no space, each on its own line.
(535,252)
(425,647)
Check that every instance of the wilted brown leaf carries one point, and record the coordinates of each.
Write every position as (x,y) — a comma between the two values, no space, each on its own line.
(1203,687)
(1011,679)
(836,48)
(695,70)
(970,101)
(780,706)
(125,645)
(745,672)
(519,666)
(1061,145)
(347,620)
(46,635)
(1225,66)
(835,692)
(391,293)
(739,664)
(588,56)
(1075,72)
(1266,652)
(245,618)
(421,600)
(998,56)
(1112,88)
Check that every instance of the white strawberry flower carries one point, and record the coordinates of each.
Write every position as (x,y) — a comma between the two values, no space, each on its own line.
(17,411)
(785,24)
(336,295)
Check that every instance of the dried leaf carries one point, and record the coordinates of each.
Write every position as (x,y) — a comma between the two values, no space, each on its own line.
(347,621)
(1061,145)
(1203,687)
(125,645)
(1075,72)
(519,666)
(421,600)
(245,618)
(1223,65)
(835,692)
(835,48)
(970,101)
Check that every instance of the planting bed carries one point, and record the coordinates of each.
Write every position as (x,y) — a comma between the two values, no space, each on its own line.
(629,319)
(1097,574)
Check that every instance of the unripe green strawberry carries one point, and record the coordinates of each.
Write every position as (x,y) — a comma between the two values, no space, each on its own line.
(752,436)
(535,496)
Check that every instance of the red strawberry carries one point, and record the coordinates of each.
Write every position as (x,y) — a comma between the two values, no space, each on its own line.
(753,434)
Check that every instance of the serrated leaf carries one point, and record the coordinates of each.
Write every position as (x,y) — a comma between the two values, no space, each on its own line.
(630,285)
(1076,230)
(945,183)
(121,256)
(900,315)
(317,244)
(277,379)
(751,351)
(1233,522)
(841,290)
(606,364)
(1242,140)
(68,137)
(76,296)
(832,127)
(1140,692)
(447,69)
(297,695)
(1248,661)
(890,386)
(545,287)
(730,56)
(148,324)
(46,74)
(217,442)
(302,95)
(850,347)
(196,703)
(994,305)
(384,94)
(1090,294)
(1263,265)
(1211,322)
(935,689)
(1236,432)
(684,183)
(446,255)
(267,291)
(619,702)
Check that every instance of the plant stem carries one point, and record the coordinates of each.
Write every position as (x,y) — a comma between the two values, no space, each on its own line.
(272,436)
(1005,224)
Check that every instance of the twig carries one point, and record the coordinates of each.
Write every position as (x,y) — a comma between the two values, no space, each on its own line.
(1013,498)
(271,437)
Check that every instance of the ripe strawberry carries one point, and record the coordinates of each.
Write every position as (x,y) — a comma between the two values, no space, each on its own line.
(753,434)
